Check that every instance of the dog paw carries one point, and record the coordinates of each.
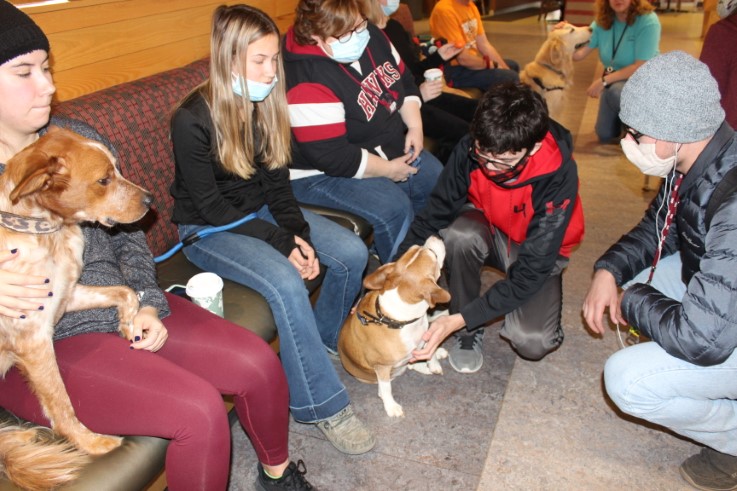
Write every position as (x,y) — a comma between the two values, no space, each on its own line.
(96,444)
(441,354)
(434,367)
(420,367)
(394,410)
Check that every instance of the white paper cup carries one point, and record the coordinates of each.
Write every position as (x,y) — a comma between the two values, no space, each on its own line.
(433,74)
(206,290)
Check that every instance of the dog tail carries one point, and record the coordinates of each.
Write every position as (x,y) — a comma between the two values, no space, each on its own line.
(32,457)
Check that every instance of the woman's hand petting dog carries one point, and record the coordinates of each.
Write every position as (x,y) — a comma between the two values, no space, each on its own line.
(17,290)
(441,328)
(148,332)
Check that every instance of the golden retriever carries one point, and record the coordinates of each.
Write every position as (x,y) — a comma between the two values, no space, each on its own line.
(551,73)
(47,189)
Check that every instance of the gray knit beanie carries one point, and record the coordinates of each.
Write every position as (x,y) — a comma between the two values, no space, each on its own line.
(672,97)
(18,33)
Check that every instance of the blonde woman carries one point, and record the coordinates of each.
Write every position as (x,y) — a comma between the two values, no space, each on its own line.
(231,143)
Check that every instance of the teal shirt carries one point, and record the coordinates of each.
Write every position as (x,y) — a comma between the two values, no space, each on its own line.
(640,41)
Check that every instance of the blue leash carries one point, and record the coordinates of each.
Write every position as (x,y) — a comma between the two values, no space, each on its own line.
(201,234)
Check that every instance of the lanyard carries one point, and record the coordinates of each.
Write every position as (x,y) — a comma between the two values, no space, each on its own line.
(672,207)
(615,47)
(388,97)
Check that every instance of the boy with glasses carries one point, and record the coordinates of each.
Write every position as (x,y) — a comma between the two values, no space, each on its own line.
(507,198)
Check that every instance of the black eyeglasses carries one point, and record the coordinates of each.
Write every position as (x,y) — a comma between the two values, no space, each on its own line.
(492,164)
(636,135)
(345,37)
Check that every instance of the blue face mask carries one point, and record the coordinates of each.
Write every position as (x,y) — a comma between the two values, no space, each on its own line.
(390,7)
(257,91)
(351,50)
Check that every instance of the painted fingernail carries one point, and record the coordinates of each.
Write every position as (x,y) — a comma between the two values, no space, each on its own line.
(51,294)
(22,316)
(41,307)
(47,280)
(137,338)
(13,251)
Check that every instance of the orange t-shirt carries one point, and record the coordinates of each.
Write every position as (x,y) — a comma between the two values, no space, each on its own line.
(457,23)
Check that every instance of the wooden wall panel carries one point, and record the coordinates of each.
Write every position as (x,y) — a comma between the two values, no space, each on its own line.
(99,43)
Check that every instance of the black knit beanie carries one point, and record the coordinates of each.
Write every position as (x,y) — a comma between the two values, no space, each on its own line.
(18,33)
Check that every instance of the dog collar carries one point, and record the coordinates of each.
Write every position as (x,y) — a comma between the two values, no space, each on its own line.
(27,225)
(546,89)
(367,318)
(552,69)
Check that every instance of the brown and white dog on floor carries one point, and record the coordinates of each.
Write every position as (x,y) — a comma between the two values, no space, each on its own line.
(47,189)
(551,73)
(376,343)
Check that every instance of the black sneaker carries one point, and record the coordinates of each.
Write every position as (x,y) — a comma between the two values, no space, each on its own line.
(710,470)
(293,478)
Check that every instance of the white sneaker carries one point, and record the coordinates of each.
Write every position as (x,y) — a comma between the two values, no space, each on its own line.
(464,354)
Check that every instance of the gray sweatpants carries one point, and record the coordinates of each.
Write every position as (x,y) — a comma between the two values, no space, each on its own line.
(533,329)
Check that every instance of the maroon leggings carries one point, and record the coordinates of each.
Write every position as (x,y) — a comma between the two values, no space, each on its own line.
(174,393)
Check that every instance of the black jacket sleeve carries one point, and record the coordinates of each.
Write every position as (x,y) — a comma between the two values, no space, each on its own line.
(445,201)
(635,250)
(702,327)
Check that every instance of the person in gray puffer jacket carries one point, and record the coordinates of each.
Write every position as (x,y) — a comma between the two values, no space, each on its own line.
(678,268)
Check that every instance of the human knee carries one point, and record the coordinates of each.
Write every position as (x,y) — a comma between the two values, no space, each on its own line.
(627,387)
(534,347)
(201,414)
(464,236)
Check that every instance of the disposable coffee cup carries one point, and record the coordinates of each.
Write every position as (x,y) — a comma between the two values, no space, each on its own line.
(206,290)
(433,74)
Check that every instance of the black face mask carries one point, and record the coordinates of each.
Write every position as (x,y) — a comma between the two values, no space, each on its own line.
(499,176)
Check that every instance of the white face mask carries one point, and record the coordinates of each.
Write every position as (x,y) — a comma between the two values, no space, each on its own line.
(644,157)
(726,7)
(392,6)
(352,49)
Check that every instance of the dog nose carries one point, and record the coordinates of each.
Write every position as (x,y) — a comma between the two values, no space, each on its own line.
(148,200)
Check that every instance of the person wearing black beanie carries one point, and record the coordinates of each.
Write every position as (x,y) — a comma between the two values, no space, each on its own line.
(18,33)
(162,382)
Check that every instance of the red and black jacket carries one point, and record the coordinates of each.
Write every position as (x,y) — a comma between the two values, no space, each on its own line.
(541,211)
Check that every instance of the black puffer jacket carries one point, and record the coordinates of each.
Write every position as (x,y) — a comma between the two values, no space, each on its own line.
(702,328)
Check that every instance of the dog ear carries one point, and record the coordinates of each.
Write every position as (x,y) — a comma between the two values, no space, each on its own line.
(376,280)
(557,51)
(39,172)
(433,294)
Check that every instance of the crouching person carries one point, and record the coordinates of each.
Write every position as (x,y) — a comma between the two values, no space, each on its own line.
(507,198)
(678,265)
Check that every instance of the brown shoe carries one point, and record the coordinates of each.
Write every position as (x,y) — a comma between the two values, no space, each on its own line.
(710,470)
(347,433)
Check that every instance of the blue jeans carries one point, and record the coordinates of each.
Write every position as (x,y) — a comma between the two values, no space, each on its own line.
(462,77)
(694,401)
(315,391)
(388,206)
(608,126)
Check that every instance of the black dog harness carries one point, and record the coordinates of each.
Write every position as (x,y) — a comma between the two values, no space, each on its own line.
(540,82)
(367,318)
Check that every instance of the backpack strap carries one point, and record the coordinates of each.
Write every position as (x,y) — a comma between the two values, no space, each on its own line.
(725,187)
